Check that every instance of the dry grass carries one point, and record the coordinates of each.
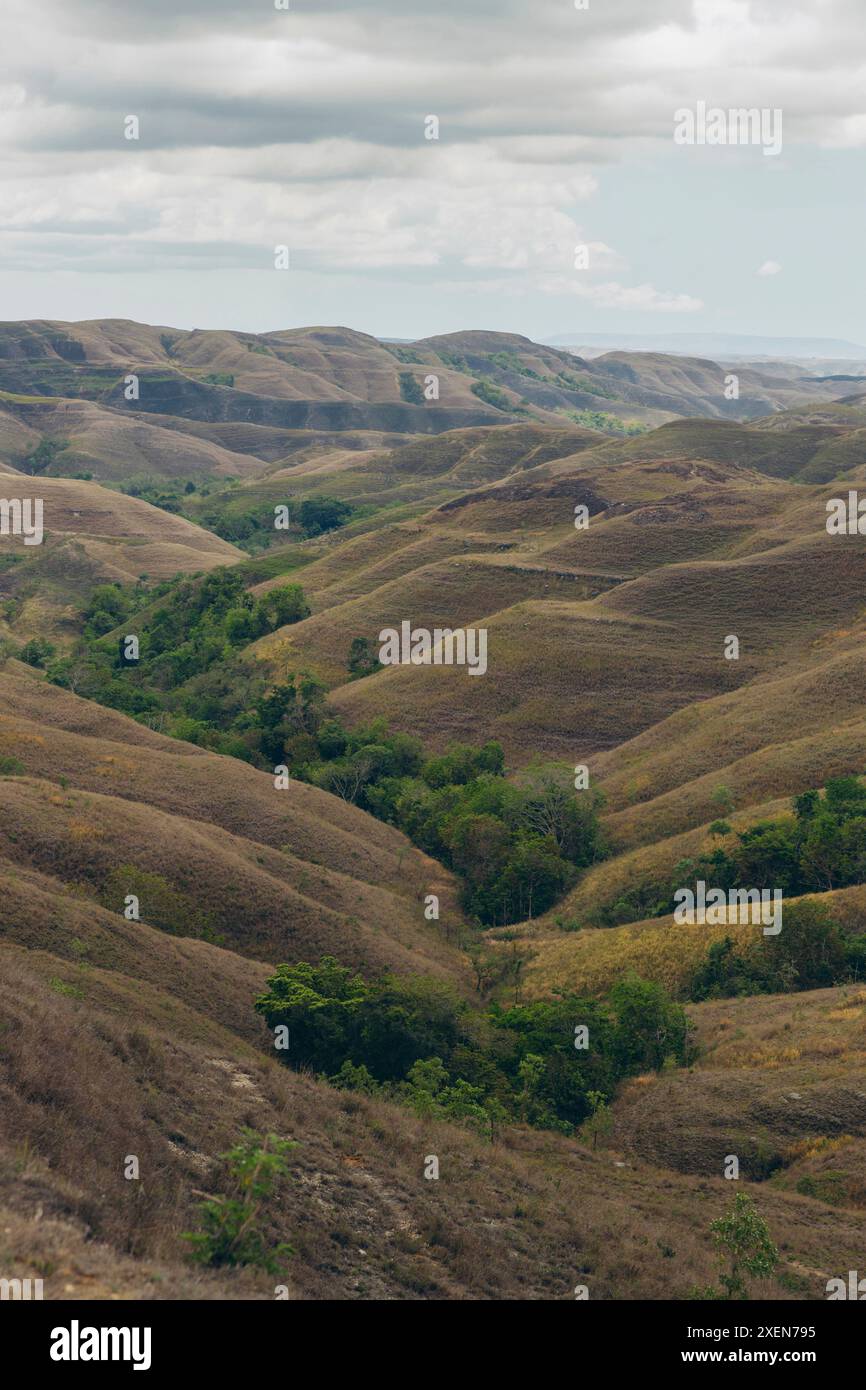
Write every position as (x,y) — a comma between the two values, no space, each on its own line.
(780,1081)
(118,1038)
(457,592)
(279,874)
(603,682)
(77,508)
(262,902)
(529,1217)
(591,960)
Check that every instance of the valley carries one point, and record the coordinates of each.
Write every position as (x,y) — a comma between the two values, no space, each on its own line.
(431,835)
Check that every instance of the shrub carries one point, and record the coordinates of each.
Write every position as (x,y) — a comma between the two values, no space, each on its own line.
(363,660)
(810,952)
(36,652)
(742,1239)
(231,1232)
(162,905)
(318,514)
(410,389)
(491,395)
(414,1040)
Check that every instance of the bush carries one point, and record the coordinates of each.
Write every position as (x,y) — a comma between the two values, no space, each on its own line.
(607,423)
(518,847)
(43,456)
(161,904)
(810,952)
(36,652)
(363,660)
(491,395)
(231,1232)
(318,514)
(742,1239)
(410,389)
(821,846)
(414,1040)
(333,1015)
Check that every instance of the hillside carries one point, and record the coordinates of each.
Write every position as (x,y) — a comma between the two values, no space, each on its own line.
(751,558)
(606,647)
(92,536)
(530,1217)
(162,1022)
(225,851)
(218,404)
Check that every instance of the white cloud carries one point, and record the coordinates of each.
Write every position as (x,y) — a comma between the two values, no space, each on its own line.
(612,295)
(346,205)
(769,268)
(306,127)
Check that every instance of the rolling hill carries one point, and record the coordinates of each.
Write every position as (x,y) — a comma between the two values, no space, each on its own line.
(218,403)
(92,535)
(103,793)
(606,646)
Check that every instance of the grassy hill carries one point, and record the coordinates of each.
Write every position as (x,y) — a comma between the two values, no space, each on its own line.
(529,1217)
(705,519)
(780,1083)
(212,403)
(92,535)
(103,797)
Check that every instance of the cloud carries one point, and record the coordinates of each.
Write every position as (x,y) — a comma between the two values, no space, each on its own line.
(769,268)
(306,127)
(612,295)
(336,206)
(223,72)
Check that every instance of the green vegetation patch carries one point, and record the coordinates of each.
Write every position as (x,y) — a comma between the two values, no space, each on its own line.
(411,1039)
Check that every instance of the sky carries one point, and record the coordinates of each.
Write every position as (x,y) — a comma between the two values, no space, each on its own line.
(307,128)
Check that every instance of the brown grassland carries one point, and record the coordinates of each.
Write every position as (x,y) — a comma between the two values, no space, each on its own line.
(605,646)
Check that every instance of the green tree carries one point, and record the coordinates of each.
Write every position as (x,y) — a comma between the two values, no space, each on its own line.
(320,1006)
(530,1073)
(806,805)
(486,391)
(363,660)
(461,764)
(36,652)
(823,858)
(742,1240)
(231,1223)
(768,855)
(600,1122)
(410,389)
(318,514)
(649,1028)
(352,1078)
(809,951)
(285,604)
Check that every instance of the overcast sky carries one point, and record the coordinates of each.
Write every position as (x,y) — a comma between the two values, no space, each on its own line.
(306,128)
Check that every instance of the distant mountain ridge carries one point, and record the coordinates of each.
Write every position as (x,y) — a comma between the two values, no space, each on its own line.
(713,344)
